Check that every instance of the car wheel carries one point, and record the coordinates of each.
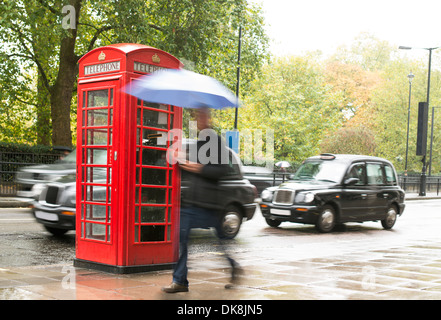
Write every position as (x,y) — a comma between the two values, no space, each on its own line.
(326,219)
(231,222)
(391,218)
(56,231)
(273,223)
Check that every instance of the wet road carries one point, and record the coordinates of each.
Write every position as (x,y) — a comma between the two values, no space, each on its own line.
(26,243)
(357,261)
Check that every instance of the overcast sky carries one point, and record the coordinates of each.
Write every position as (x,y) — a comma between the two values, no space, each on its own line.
(297,26)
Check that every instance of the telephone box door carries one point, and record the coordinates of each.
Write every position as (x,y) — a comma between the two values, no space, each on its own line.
(156,197)
(97,173)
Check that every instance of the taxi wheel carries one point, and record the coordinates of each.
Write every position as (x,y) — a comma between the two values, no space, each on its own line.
(56,231)
(273,223)
(326,219)
(231,222)
(391,218)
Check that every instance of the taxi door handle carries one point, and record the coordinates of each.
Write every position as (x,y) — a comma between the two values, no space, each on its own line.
(364,195)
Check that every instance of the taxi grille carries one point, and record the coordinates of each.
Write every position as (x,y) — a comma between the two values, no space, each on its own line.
(283,197)
(52,194)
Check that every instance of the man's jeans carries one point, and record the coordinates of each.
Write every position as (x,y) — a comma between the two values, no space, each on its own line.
(193,217)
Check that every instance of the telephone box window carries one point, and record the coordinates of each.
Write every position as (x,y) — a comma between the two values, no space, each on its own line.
(97,117)
(153,138)
(151,157)
(96,156)
(155,119)
(156,177)
(98,98)
(152,214)
(96,194)
(152,233)
(151,195)
(97,137)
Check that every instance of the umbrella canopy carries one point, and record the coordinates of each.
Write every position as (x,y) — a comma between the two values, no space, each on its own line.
(283,164)
(182,88)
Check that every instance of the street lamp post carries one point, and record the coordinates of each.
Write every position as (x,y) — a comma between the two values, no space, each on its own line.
(410,76)
(423,171)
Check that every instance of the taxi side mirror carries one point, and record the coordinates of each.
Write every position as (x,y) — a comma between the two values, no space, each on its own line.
(351,181)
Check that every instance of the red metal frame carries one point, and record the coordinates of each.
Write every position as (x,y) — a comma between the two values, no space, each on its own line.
(127,194)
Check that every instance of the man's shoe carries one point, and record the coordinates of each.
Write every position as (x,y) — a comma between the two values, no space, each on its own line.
(175,287)
(236,273)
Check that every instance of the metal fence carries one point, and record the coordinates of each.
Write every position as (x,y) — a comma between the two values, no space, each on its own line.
(10,162)
(411,183)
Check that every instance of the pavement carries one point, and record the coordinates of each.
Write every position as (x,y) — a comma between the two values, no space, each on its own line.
(352,270)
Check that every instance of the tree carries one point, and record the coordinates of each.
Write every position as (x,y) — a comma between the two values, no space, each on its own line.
(291,97)
(51,36)
(350,140)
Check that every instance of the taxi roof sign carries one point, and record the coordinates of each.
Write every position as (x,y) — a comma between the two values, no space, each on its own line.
(327,156)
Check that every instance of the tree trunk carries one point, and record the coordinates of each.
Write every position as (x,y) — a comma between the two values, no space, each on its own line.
(61,93)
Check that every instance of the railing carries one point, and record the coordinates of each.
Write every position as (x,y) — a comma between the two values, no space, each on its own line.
(10,162)
(411,183)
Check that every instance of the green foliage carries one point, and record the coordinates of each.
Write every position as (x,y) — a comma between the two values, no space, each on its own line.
(26,148)
(204,34)
(291,98)
(350,140)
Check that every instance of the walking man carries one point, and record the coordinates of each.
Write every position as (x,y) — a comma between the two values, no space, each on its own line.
(200,208)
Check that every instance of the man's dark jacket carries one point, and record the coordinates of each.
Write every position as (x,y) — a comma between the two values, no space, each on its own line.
(202,189)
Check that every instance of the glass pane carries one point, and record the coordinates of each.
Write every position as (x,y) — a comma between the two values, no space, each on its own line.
(358,172)
(374,174)
(96,193)
(154,119)
(96,175)
(98,98)
(153,176)
(97,137)
(152,233)
(138,118)
(97,117)
(111,97)
(152,157)
(96,156)
(154,138)
(151,195)
(95,212)
(390,175)
(95,231)
(155,105)
(153,214)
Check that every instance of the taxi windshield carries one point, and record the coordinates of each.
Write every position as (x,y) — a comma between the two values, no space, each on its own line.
(321,170)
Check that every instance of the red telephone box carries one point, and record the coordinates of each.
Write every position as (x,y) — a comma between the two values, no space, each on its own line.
(127,198)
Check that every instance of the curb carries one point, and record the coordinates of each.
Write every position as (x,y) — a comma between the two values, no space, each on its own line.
(14,203)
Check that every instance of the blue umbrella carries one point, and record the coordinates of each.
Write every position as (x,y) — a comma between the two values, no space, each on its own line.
(182,88)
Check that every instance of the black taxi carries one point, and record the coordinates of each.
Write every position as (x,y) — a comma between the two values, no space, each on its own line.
(330,189)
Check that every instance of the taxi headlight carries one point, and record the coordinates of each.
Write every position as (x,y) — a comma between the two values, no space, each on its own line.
(305,197)
(266,195)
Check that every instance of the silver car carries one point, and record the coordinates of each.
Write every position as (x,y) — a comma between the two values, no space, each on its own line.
(32,179)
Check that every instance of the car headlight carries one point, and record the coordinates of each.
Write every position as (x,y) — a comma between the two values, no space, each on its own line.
(305,197)
(267,195)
